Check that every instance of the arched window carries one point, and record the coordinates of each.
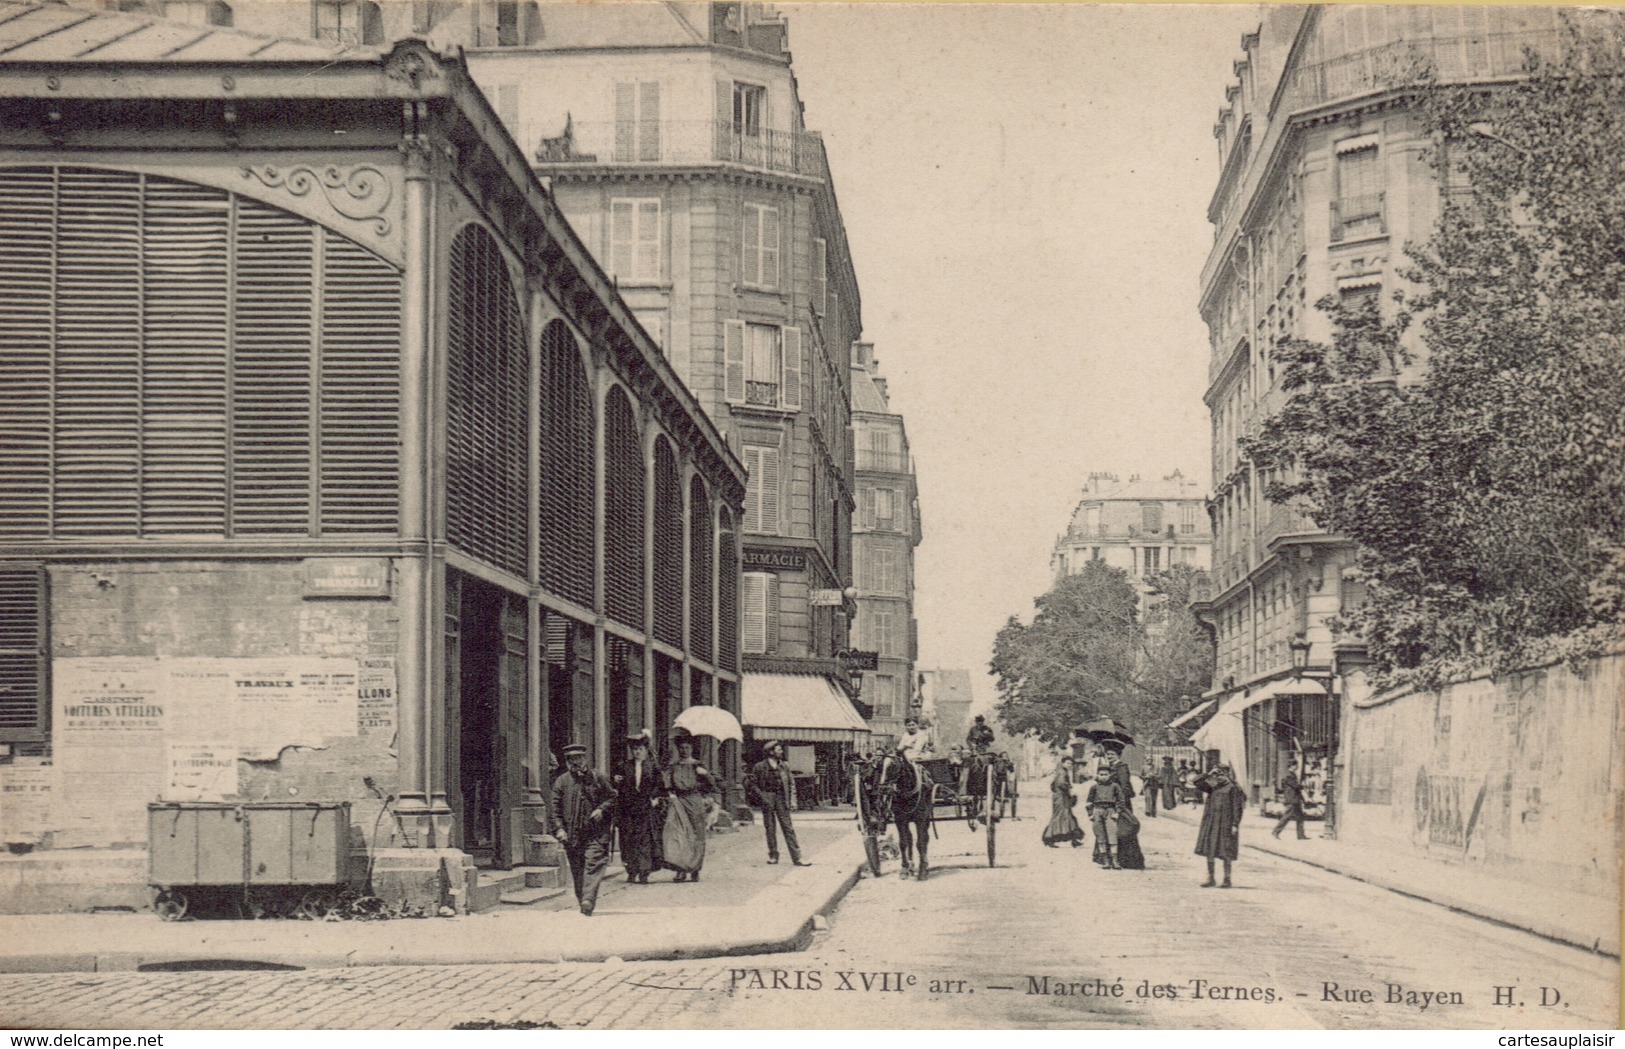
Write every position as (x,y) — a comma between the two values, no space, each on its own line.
(567,446)
(668,546)
(623,511)
(727,594)
(700,537)
(486,383)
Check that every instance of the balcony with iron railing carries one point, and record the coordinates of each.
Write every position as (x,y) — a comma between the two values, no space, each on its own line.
(1354,218)
(1407,62)
(765,394)
(670,142)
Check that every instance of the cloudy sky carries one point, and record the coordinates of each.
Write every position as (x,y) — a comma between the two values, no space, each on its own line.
(1025,191)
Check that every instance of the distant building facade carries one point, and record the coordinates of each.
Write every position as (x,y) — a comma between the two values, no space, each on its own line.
(1325,175)
(945,701)
(1142,525)
(885,532)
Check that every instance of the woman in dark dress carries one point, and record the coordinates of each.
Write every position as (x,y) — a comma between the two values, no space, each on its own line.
(1129,856)
(1063,825)
(639,785)
(1219,837)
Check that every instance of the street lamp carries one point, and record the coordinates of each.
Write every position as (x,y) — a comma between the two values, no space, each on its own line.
(1328,680)
(1300,655)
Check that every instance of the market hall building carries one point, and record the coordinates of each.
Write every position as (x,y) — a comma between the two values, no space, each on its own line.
(336,469)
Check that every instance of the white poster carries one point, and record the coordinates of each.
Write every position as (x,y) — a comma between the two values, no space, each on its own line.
(375,698)
(281,703)
(108,730)
(201,771)
(25,800)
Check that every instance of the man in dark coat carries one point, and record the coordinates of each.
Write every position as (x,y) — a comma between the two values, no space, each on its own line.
(1292,798)
(1152,785)
(1219,837)
(582,803)
(1170,784)
(980,736)
(773,788)
(638,790)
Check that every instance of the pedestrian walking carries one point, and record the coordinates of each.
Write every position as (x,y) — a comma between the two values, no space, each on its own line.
(1129,856)
(1219,837)
(1170,784)
(774,790)
(1292,798)
(582,803)
(1063,825)
(639,787)
(689,791)
(1152,785)
(1104,805)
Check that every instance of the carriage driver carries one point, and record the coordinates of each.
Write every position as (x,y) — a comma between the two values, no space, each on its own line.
(916,741)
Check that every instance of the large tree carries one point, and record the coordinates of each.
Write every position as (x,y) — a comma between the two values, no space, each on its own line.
(1087,653)
(1483,478)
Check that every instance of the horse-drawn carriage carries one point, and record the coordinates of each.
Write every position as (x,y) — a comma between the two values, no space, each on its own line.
(915,795)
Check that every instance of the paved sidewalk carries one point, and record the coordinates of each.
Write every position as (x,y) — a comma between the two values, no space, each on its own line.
(1588,922)
(740,906)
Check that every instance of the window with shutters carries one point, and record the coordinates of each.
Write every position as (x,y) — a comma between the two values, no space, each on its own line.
(637,121)
(763,365)
(487,378)
(883,633)
(346,21)
(883,698)
(1357,210)
(504,23)
(728,593)
(761,490)
(759,267)
(1187,518)
(182,361)
(880,507)
(25,696)
(820,276)
(634,239)
(760,594)
(566,446)
(668,546)
(702,574)
(623,511)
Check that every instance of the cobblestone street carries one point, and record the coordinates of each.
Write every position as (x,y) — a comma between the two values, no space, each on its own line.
(1290,946)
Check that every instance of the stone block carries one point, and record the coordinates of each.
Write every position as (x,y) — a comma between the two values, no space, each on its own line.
(426,879)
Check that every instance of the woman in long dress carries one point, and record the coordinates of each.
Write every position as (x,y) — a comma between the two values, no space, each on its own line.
(690,789)
(1063,825)
(1129,856)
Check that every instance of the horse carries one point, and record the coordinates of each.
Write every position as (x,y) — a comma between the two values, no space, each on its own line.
(907,795)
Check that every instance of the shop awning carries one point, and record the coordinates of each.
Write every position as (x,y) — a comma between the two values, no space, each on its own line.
(1191,713)
(798,708)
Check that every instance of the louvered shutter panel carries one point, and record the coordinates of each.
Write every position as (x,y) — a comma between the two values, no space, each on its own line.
(750,252)
(770,491)
(488,29)
(820,275)
(724,120)
(626,121)
(624,512)
(733,356)
(27,262)
(702,570)
(770,248)
(98,339)
(791,393)
(649,120)
(24,651)
(866,501)
(771,612)
(753,591)
(668,544)
(271,372)
(646,264)
(359,396)
(186,333)
(622,217)
(753,489)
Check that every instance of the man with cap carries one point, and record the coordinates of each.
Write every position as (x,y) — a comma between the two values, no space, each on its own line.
(583,801)
(638,788)
(980,736)
(773,788)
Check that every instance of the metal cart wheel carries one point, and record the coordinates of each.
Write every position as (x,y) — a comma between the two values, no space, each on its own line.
(171,905)
(316,904)
(991,820)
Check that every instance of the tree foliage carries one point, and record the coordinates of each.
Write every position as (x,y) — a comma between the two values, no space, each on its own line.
(1087,653)
(1484,479)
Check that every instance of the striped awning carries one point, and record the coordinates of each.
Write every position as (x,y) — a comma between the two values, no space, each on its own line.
(1191,713)
(798,708)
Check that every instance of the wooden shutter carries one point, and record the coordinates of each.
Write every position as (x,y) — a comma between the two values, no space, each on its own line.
(646,250)
(24,651)
(762,490)
(27,265)
(753,591)
(701,568)
(626,121)
(733,355)
(649,120)
(668,546)
(624,511)
(728,594)
(770,247)
(622,222)
(750,253)
(866,501)
(790,392)
(771,612)
(488,29)
(820,275)
(567,495)
(724,120)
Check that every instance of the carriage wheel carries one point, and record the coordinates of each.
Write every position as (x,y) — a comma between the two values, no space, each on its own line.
(871,848)
(316,905)
(990,849)
(991,813)
(171,905)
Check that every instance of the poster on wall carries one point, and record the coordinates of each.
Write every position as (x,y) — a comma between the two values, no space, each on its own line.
(26,800)
(375,697)
(292,702)
(201,771)
(108,747)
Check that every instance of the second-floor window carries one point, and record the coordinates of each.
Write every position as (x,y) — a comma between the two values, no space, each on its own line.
(1358,210)
(761,489)
(760,619)
(634,239)
(880,507)
(1187,519)
(763,365)
(637,121)
(760,258)
(750,109)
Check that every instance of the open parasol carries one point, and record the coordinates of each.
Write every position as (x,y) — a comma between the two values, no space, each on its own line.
(1105,730)
(710,721)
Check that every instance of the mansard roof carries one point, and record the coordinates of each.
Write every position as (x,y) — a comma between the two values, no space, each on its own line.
(54,32)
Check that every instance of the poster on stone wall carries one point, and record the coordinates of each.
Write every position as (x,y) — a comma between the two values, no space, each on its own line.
(108,735)
(201,771)
(26,799)
(375,697)
(291,702)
